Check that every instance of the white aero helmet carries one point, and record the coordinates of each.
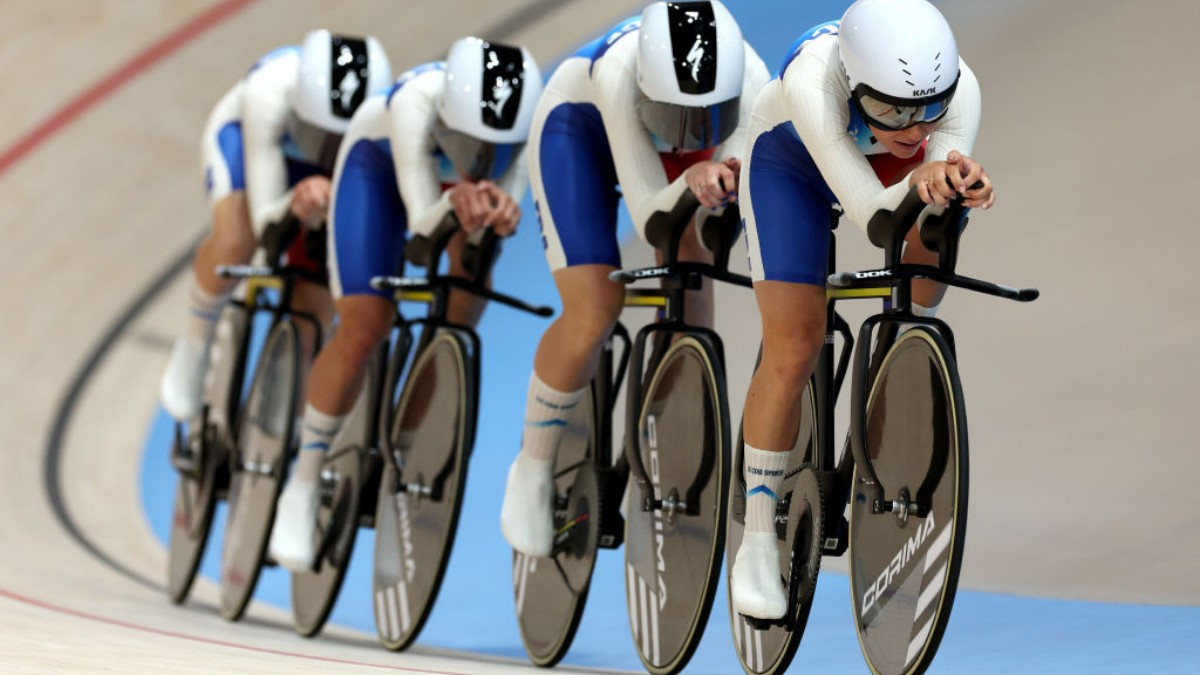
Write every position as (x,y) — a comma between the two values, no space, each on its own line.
(690,66)
(337,73)
(901,59)
(486,111)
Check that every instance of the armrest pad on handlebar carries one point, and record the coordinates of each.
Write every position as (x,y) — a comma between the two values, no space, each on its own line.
(664,229)
(424,251)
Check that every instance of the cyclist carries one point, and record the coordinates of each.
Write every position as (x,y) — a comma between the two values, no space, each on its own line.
(657,106)
(268,149)
(436,144)
(859,112)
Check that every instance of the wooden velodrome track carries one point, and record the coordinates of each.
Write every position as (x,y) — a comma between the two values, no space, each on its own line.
(1082,450)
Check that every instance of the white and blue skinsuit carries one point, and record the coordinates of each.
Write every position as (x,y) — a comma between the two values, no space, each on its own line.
(391,177)
(587,140)
(809,148)
(245,146)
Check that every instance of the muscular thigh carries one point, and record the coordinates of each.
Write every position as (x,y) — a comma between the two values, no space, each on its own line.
(574,186)
(786,207)
(367,222)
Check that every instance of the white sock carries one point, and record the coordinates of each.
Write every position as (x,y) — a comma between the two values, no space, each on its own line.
(764,475)
(315,437)
(204,309)
(547,412)
(923,311)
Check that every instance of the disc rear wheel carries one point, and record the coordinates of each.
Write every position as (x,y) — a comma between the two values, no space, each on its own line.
(420,495)
(257,467)
(550,593)
(904,564)
(799,521)
(345,472)
(200,456)
(673,553)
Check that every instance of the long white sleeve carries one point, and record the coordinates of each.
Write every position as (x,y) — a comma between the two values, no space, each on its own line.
(413,114)
(639,169)
(265,112)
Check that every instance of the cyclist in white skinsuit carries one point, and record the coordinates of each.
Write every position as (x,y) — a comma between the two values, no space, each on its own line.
(269,148)
(437,144)
(658,106)
(858,114)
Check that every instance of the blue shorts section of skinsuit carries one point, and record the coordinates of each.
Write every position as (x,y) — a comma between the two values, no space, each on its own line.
(792,202)
(369,220)
(578,175)
(229,140)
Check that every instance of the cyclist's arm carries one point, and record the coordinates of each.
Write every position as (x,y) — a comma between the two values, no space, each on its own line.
(412,114)
(756,76)
(639,169)
(960,126)
(264,114)
(816,98)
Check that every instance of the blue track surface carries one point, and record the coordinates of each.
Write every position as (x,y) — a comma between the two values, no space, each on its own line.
(988,633)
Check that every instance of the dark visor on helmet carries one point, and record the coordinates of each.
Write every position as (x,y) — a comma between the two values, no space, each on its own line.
(689,128)
(896,114)
(473,158)
(316,146)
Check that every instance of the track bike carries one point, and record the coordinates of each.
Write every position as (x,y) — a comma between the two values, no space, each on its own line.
(903,479)
(399,463)
(238,447)
(675,461)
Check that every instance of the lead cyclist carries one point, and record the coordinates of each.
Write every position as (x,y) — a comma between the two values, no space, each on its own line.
(658,106)
(268,149)
(861,110)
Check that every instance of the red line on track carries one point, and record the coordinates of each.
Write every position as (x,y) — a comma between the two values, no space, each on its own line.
(118,78)
(203,640)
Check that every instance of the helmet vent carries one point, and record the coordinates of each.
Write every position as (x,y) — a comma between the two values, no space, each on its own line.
(503,80)
(693,29)
(349,70)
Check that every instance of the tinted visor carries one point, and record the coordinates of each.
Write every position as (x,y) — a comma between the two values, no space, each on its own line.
(892,114)
(316,146)
(687,128)
(473,158)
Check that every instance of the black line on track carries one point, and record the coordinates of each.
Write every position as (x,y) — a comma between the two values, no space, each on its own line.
(52,478)
(66,409)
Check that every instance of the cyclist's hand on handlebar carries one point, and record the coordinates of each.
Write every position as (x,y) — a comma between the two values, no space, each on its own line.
(505,212)
(471,204)
(969,173)
(310,201)
(714,183)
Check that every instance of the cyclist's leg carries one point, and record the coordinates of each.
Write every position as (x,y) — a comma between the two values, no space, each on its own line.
(574,187)
(231,241)
(926,294)
(316,300)
(465,309)
(698,306)
(787,232)
(366,238)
